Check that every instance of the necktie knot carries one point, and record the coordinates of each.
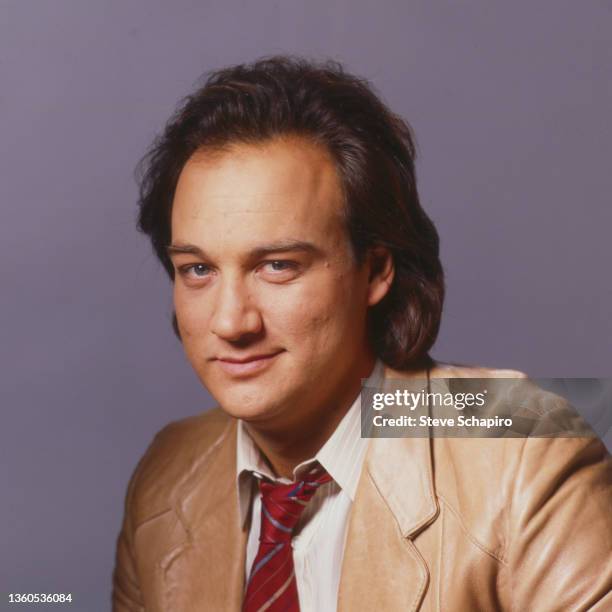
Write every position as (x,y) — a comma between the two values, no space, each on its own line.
(283,504)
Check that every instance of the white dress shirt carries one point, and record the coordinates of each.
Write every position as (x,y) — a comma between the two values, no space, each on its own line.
(319,536)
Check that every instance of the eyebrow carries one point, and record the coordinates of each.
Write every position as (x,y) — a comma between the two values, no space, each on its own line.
(281,246)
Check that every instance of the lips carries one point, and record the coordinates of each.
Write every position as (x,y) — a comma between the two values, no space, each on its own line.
(246,366)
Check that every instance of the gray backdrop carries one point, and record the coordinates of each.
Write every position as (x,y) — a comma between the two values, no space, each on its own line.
(510,103)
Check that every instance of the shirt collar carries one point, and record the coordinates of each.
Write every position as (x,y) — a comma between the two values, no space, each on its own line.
(341,456)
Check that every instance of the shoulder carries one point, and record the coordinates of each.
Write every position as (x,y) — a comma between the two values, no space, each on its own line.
(517,480)
(171,456)
(538,410)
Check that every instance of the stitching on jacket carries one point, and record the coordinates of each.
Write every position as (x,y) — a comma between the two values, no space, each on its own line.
(151,518)
(470,537)
(423,570)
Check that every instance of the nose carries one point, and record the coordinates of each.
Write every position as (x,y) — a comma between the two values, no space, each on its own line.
(235,315)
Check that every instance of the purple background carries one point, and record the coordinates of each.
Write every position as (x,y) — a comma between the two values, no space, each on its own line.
(511,107)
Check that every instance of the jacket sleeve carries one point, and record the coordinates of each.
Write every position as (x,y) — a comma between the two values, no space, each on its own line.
(560,526)
(126,595)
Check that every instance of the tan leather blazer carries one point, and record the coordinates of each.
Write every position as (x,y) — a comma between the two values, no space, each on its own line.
(437,524)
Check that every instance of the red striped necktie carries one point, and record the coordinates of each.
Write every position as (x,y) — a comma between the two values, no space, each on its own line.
(272,586)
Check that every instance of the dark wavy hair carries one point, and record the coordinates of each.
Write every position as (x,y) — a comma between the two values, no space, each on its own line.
(374,152)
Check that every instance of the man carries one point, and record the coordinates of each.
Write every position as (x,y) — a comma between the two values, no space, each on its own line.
(281,200)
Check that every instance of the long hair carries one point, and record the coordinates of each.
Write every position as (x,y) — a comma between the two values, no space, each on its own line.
(374,153)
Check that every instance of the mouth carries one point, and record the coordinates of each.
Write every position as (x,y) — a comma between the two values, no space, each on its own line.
(246,366)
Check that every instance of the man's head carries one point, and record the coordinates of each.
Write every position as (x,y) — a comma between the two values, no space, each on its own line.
(286,193)
(268,294)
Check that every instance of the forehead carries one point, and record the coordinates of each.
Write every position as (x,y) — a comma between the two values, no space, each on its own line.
(279,189)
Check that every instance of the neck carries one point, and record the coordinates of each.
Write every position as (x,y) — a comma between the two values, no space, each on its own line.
(286,447)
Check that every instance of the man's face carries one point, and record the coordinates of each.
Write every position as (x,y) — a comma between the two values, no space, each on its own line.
(270,303)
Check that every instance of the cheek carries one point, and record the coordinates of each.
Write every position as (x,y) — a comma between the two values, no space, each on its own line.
(319,314)
(191,313)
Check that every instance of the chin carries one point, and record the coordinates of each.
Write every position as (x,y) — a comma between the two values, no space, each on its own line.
(244,402)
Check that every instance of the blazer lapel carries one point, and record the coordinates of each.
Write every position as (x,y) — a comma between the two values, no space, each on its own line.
(395,500)
(206,571)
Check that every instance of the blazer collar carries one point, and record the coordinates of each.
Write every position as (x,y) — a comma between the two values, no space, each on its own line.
(395,501)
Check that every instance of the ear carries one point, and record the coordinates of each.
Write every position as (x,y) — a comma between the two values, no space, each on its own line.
(381,273)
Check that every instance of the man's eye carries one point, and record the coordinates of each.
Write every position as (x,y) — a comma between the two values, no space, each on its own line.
(195,270)
(279,265)
(279,270)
